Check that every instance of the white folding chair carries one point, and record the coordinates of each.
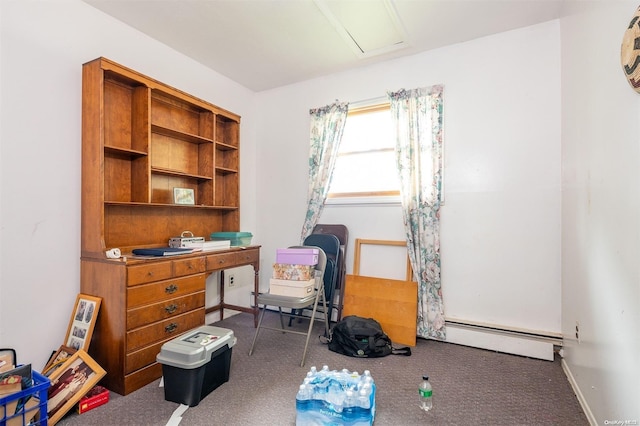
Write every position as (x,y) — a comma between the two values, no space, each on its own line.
(293,303)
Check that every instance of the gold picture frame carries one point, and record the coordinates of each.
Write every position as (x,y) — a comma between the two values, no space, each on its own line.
(82,322)
(357,254)
(69,383)
(184,196)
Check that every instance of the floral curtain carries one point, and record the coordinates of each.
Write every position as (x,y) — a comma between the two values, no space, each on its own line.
(327,126)
(417,117)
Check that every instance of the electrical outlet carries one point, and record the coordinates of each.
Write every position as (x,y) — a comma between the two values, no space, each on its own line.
(232,280)
(578,332)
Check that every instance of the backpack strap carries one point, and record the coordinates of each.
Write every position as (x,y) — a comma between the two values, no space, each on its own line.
(405,350)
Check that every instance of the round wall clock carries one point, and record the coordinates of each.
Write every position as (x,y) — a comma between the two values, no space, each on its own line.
(630,52)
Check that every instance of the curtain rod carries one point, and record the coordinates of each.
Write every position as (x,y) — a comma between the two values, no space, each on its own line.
(367,102)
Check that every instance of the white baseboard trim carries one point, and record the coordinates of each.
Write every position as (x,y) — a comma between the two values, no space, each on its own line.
(501,341)
(576,389)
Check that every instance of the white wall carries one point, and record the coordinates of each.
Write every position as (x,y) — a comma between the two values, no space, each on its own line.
(501,219)
(600,214)
(44,44)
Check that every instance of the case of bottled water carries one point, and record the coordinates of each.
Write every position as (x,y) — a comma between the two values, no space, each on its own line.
(336,397)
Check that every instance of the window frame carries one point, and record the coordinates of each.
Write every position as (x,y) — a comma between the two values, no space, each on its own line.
(366,197)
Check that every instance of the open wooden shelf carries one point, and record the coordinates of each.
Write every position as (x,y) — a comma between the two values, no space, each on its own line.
(151,138)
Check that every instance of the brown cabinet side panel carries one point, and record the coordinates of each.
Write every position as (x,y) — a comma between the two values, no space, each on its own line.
(92,238)
(106,279)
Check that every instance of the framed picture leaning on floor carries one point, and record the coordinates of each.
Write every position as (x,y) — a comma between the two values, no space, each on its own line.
(70,382)
(57,359)
(82,322)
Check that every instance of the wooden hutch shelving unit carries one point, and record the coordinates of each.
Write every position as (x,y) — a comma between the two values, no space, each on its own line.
(140,140)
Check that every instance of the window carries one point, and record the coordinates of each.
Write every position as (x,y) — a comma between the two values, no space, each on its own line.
(365,167)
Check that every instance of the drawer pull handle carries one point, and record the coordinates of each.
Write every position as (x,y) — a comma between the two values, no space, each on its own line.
(171,308)
(150,273)
(221,261)
(171,289)
(171,327)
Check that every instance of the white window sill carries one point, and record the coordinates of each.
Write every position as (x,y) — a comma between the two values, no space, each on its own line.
(368,201)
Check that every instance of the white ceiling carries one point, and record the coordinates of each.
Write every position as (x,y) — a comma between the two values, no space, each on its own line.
(263,44)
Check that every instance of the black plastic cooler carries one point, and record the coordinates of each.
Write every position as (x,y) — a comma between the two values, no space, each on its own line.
(196,363)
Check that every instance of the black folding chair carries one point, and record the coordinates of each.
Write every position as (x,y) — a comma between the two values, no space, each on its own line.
(342,233)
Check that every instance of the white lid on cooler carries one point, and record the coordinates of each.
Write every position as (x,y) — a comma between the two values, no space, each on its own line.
(194,348)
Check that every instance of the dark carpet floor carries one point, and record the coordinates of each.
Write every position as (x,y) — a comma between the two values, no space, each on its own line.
(471,386)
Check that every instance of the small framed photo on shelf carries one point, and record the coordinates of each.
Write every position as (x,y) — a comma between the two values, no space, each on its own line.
(82,322)
(184,196)
(70,382)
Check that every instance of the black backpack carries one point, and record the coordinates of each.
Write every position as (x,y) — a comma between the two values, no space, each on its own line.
(362,338)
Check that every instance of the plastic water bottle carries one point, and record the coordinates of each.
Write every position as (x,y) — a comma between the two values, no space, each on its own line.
(426,394)
(364,395)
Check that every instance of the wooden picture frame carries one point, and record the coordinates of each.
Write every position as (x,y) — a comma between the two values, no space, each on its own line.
(357,254)
(82,322)
(69,383)
(57,358)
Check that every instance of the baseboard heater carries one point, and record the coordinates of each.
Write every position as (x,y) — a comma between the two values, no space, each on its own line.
(533,344)
(500,339)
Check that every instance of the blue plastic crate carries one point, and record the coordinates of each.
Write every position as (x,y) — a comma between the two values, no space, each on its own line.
(37,392)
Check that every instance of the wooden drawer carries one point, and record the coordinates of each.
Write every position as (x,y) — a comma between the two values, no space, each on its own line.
(143,357)
(247,256)
(220,261)
(162,330)
(148,273)
(190,266)
(145,294)
(166,309)
(142,377)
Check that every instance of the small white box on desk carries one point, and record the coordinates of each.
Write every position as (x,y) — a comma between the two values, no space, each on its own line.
(211,245)
(291,288)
